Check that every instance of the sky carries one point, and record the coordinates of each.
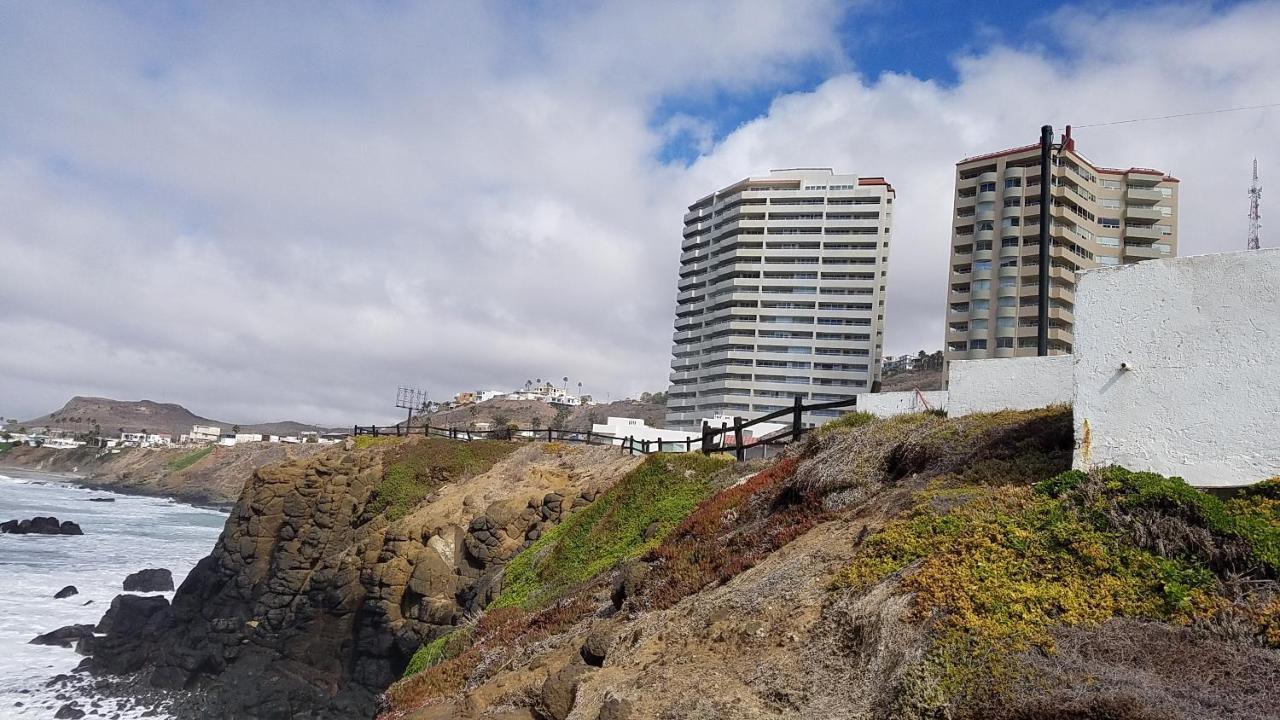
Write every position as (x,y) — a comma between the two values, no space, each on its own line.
(286,210)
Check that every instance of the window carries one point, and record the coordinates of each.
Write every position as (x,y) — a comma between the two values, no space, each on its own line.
(1105,241)
(1008,282)
(1004,342)
(981,305)
(982,265)
(1162,247)
(982,245)
(987,187)
(978,324)
(981,284)
(1011,262)
(1013,182)
(1005,322)
(1165,210)
(978,345)
(1007,302)
(1167,192)
(1164,229)
(1112,185)
(1109,222)
(1009,242)
(1011,222)
(1111,203)
(1012,202)
(985,225)
(1105,260)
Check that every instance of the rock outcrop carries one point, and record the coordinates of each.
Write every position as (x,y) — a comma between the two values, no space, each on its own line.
(149,580)
(66,592)
(314,599)
(41,526)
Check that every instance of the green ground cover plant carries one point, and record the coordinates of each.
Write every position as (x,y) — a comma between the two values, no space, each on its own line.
(413,469)
(628,520)
(191,458)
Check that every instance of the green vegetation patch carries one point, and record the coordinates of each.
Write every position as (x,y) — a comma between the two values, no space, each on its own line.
(848,420)
(5,446)
(368,441)
(995,569)
(437,651)
(730,532)
(631,518)
(414,469)
(191,458)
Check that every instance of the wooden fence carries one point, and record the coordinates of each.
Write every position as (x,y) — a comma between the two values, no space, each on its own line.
(730,438)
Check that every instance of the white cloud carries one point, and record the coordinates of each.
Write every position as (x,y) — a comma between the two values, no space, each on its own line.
(266,213)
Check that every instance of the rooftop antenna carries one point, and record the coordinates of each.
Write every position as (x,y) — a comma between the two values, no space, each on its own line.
(1255,217)
(411,399)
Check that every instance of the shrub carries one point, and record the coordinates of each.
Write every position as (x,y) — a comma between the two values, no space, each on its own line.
(629,519)
(847,420)
(730,532)
(996,573)
(191,458)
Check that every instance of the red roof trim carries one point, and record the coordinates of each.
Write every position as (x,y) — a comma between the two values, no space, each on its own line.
(1000,153)
(875,181)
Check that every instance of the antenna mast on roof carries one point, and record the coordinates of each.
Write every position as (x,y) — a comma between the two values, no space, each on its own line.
(1255,217)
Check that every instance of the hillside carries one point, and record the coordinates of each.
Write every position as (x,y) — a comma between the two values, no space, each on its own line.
(527,413)
(81,414)
(918,567)
(922,379)
(205,476)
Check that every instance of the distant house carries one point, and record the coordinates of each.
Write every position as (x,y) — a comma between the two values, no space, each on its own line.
(62,443)
(203,434)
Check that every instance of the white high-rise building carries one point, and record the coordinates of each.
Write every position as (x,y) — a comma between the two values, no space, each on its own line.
(781,294)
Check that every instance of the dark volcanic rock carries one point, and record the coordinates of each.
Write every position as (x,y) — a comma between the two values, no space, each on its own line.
(69,712)
(63,636)
(150,580)
(66,592)
(102,499)
(133,626)
(41,526)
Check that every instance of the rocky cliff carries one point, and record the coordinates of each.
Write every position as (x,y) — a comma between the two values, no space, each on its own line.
(334,570)
(918,567)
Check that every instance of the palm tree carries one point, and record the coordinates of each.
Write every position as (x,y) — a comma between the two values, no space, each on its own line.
(566,384)
(235,430)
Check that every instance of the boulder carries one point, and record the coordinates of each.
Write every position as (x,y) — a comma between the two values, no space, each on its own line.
(628,581)
(69,712)
(596,646)
(560,691)
(69,528)
(149,580)
(66,592)
(615,709)
(63,636)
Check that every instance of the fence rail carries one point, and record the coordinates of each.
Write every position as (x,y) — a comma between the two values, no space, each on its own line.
(726,439)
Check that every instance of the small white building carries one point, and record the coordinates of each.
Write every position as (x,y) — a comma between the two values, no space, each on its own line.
(203,434)
(63,443)
(485,395)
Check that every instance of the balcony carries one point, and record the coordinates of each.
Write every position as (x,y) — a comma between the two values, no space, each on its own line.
(989,176)
(1146,232)
(1143,195)
(1135,212)
(1141,252)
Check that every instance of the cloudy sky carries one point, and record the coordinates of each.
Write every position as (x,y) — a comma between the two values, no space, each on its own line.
(285,210)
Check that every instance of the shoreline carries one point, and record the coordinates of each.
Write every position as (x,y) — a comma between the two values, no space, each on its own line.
(87,482)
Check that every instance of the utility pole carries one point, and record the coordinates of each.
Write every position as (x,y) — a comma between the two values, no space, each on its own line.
(1255,216)
(1046,218)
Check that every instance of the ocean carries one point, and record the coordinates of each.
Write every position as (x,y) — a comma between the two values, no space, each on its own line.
(120,537)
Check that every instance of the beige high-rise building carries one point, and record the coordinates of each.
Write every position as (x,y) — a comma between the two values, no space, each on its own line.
(1100,216)
(781,294)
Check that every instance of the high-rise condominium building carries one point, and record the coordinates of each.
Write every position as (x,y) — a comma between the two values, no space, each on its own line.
(781,294)
(1100,216)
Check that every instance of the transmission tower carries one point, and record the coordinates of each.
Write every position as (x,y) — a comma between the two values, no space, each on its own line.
(1255,217)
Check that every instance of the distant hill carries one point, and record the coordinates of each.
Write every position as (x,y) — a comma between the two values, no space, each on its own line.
(525,412)
(82,414)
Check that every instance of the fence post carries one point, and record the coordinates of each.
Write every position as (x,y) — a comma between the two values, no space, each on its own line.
(688,445)
(375,431)
(739,451)
(549,434)
(588,437)
(644,446)
(795,420)
(355,430)
(706,431)
(659,444)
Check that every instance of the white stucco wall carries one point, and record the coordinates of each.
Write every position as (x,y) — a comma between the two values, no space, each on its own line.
(1200,338)
(888,404)
(1022,383)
